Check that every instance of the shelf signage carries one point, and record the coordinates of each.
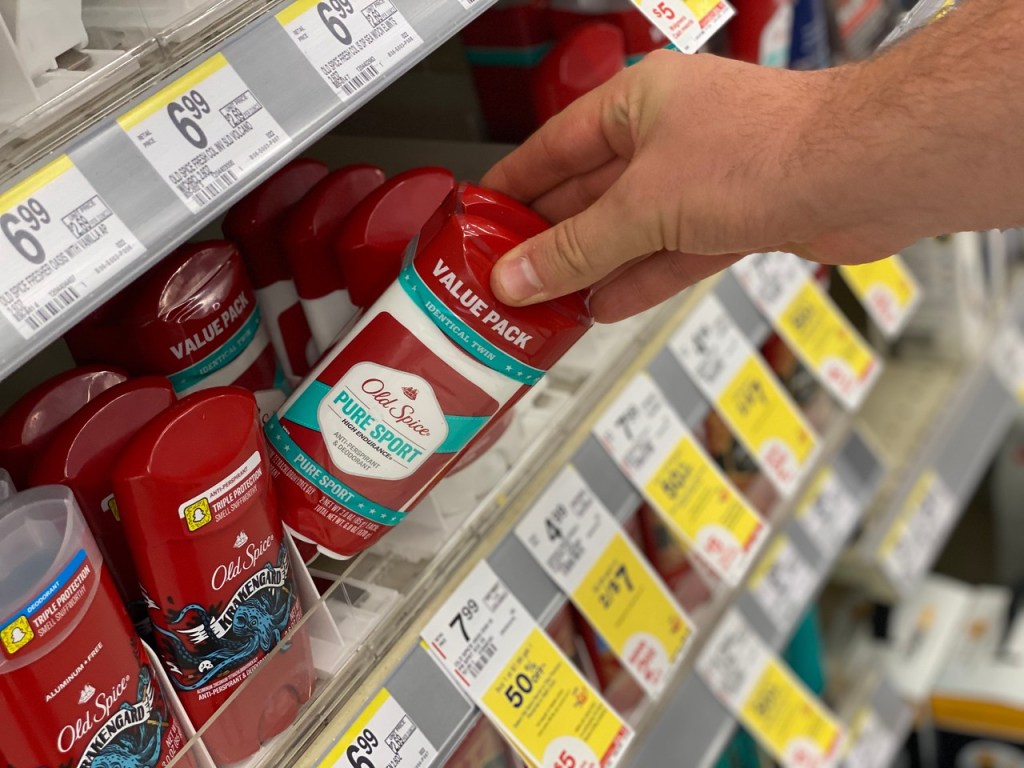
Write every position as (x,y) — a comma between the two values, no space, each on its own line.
(383,735)
(887,290)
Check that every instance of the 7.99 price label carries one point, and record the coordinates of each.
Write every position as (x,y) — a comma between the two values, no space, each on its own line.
(59,241)
(383,736)
(204,132)
(351,43)
(582,547)
(689,24)
(488,644)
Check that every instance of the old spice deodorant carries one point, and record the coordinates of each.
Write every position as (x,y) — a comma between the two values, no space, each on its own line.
(253,224)
(75,686)
(199,511)
(307,239)
(584,58)
(81,456)
(639,35)
(371,243)
(28,425)
(388,410)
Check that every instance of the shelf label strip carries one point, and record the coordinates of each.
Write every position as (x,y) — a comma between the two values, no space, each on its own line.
(59,242)
(870,744)
(204,133)
(786,719)
(745,393)
(887,290)
(350,43)
(828,513)
(783,583)
(662,458)
(783,290)
(492,649)
(584,550)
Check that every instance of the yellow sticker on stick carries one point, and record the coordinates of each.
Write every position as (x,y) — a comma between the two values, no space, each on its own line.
(887,290)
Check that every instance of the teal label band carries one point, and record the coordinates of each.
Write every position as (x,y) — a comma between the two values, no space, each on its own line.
(471,342)
(324,481)
(232,348)
(525,57)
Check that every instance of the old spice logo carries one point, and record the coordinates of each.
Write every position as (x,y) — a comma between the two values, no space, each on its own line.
(410,392)
(112,721)
(87,693)
(402,414)
(241,539)
(245,561)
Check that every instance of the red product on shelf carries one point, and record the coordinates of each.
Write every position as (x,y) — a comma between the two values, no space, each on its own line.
(81,456)
(253,224)
(640,37)
(307,239)
(76,688)
(389,409)
(28,425)
(587,56)
(371,244)
(762,31)
(201,520)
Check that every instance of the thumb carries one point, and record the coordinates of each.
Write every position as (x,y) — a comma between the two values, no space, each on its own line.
(575,253)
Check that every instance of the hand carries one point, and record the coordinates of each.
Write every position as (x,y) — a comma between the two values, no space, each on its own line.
(670,172)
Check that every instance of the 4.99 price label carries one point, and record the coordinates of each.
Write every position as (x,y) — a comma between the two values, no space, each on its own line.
(204,132)
(653,447)
(582,547)
(689,24)
(383,736)
(729,372)
(351,43)
(59,241)
(887,290)
(492,649)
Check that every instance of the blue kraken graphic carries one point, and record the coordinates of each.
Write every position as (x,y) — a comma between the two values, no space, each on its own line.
(221,643)
(137,746)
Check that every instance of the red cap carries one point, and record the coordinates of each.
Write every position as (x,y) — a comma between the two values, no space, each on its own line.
(372,241)
(93,341)
(472,229)
(586,57)
(26,428)
(253,221)
(639,34)
(81,456)
(311,225)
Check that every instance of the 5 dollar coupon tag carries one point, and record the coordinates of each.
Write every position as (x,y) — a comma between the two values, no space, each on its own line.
(763,693)
(887,290)
(484,639)
(687,23)
(653,447)
(811,324)
(727,369)
(582,547)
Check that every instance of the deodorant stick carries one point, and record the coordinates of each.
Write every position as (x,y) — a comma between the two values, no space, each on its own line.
(389,409)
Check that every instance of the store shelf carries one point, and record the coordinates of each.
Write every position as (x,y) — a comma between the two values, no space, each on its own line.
(281,79)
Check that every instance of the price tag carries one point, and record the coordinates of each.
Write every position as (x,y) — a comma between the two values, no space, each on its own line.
(730,373)
(59,241)
(870,744)
(204,132)
(662,458)
(582,547)
(828,513)
(689,24)
(887,290)
(351,43)
(1007,356)
(383,736)
(811,324)
(787,720)
(491,647)
(782,583)
(914,539)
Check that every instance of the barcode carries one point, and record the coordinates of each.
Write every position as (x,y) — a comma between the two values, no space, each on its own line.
(214,186)
(64,299)
(486,654)
(363,77)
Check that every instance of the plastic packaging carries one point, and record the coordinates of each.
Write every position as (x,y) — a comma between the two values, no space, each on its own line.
(307,239)
(200,516)
(392,405)
(28,425)
(253,223)
(587,56)
(372,242)
(75,686)
(81,456)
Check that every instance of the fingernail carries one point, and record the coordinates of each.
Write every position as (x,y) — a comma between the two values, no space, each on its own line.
(518,279)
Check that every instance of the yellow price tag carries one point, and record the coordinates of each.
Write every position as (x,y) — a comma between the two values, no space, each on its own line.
(687,23)
(914,539)
(382,734)
(887,291)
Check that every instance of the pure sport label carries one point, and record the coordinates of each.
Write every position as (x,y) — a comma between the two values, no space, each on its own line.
(204,133)
(59,242)
(887,290)
(654,448)
(582,547)
(383,735)
(689,24)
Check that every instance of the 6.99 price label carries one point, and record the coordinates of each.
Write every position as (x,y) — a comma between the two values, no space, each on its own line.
(491,648)
(383,736)
(59,241)
(204,132)
(687,23)
(351,43)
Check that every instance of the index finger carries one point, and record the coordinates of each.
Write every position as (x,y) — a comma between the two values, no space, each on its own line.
(585,135)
